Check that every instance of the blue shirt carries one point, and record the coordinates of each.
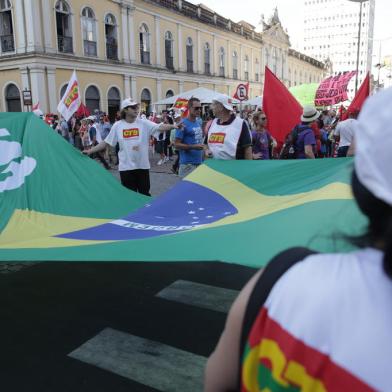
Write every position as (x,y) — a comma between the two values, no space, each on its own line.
(190,134)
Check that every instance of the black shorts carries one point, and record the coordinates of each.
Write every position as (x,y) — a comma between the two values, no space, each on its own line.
(137,180)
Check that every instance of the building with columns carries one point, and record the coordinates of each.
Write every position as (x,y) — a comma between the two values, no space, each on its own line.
(147,49)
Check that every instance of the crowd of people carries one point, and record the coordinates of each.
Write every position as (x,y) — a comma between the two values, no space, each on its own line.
(188,137)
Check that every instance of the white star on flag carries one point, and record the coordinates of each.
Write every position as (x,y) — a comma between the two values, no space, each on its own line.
(190,201)
(191,212)
(201,209)
(209,216)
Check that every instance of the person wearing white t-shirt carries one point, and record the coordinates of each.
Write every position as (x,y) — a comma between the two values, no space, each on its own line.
(133,136)
(322,322)
(346,131)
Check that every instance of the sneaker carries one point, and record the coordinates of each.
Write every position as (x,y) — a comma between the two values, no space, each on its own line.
(166,159)
(160,162)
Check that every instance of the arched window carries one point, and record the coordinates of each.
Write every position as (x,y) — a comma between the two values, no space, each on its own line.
(6,27)
(189,54)
(144,42)
(235,65)
(92,99)
(63,90)
(207,55)
(89,32)
(114,100)
(145,100)
(246,67)
(257,70)
(111,37)
(12,98)
(169,50)
(63,27)
(221,55)
(169,93)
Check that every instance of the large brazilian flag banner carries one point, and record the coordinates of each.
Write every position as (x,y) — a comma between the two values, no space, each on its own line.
(56,204)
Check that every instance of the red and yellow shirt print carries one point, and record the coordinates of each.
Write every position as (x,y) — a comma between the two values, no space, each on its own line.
(275,360)
(217,138)
(131,133)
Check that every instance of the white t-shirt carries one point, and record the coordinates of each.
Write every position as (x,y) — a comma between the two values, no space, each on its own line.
(133,139)
(346,130)
(337,308)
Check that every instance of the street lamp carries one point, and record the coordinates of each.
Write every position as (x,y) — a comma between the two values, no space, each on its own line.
(359,39)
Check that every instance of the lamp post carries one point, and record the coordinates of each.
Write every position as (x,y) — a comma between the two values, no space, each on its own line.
(359,39)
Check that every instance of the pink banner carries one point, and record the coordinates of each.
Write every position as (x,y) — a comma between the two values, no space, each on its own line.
(333,89)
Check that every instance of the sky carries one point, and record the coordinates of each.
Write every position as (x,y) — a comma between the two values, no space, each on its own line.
(291,16)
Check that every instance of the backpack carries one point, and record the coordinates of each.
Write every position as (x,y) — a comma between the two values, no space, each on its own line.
(289,150)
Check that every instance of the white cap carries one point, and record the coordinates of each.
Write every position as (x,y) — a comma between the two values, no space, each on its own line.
(92,118)
(373,148)
(127,102)
(224,100)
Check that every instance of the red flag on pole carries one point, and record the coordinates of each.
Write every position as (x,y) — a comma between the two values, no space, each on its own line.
(360,97)
(282,110)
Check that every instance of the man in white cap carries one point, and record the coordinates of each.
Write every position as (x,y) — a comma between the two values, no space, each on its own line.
(322,321)
(228,136)
(133,136)
(303,136)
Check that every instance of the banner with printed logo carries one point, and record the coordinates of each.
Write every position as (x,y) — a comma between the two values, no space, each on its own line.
(333,89)
(71,99)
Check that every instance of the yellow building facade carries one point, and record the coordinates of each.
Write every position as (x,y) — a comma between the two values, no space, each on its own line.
(147,49)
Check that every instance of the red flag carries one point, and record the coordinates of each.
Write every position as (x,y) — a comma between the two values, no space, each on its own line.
(282,110)
(360,97)
(82,111)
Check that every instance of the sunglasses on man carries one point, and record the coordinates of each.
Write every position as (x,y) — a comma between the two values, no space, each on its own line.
(196,107)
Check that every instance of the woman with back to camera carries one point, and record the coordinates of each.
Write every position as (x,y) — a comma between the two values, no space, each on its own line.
(322,322)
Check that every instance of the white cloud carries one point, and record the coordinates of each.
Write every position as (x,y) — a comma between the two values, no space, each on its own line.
(19,171)
(9,151)
(4,132)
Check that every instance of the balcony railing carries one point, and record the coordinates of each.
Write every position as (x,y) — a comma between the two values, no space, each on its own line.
(235,73)
(144,57)
(90,48)
(207,68)
(222,72)
(7,43)
(64,44)
(111,51)
(189,66)
(169,62)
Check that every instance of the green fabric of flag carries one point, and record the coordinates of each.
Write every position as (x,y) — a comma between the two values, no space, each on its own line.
(305,93)
(56,204)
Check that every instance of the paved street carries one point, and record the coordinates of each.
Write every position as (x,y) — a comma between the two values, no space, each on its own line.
(112,326)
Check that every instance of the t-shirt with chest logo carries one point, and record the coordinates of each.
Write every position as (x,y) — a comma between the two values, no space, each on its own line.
(133,139)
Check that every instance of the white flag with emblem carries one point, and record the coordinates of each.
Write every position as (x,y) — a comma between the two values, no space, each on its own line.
(71,100)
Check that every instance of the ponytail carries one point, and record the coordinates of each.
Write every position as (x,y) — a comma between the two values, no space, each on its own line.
(379,231)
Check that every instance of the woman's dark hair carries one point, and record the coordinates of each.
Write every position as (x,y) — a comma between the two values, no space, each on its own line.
(379,229)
